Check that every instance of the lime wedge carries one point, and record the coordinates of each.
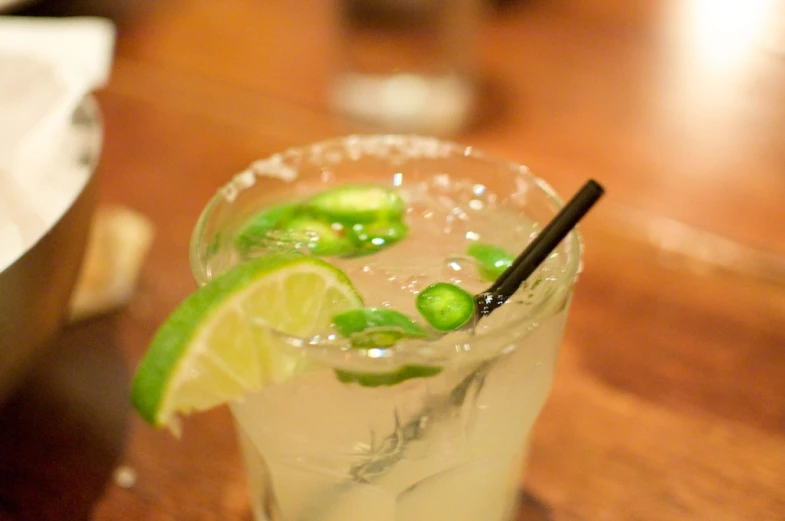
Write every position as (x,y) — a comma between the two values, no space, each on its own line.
(216,346)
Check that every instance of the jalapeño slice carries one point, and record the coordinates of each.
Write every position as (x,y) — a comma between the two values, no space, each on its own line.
(321,238)
(445,306)
(254,231)
(380,327)
(375,236)
(492,260)
(357,204)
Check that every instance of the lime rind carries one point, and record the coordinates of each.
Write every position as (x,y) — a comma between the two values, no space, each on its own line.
(165,354)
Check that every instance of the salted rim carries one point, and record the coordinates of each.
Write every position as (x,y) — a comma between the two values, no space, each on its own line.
(284,166)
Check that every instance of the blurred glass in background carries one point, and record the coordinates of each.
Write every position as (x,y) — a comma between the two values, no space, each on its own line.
(407,65)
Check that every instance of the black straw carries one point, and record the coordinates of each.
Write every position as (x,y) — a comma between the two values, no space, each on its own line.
(539,249)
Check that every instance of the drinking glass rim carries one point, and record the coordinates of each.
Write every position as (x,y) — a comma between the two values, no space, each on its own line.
(283,166)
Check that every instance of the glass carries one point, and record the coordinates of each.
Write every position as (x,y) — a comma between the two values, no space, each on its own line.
(407,65)
(450,446)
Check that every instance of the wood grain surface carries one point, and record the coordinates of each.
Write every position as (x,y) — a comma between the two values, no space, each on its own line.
(669,398)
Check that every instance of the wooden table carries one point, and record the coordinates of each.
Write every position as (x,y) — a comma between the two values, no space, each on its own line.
(669,399)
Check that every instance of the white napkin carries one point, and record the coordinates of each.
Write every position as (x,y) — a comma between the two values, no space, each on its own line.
(47,66)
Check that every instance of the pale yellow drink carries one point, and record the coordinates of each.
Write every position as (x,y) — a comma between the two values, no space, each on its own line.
(445,447)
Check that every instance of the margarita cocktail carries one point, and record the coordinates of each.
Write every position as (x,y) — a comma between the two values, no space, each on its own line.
(364,399)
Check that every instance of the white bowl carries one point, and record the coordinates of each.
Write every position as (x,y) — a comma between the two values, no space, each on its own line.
(35,288)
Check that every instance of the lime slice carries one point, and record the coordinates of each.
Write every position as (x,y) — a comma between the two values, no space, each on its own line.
(492,260)
(217,345)
(445,306)
(357,204)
